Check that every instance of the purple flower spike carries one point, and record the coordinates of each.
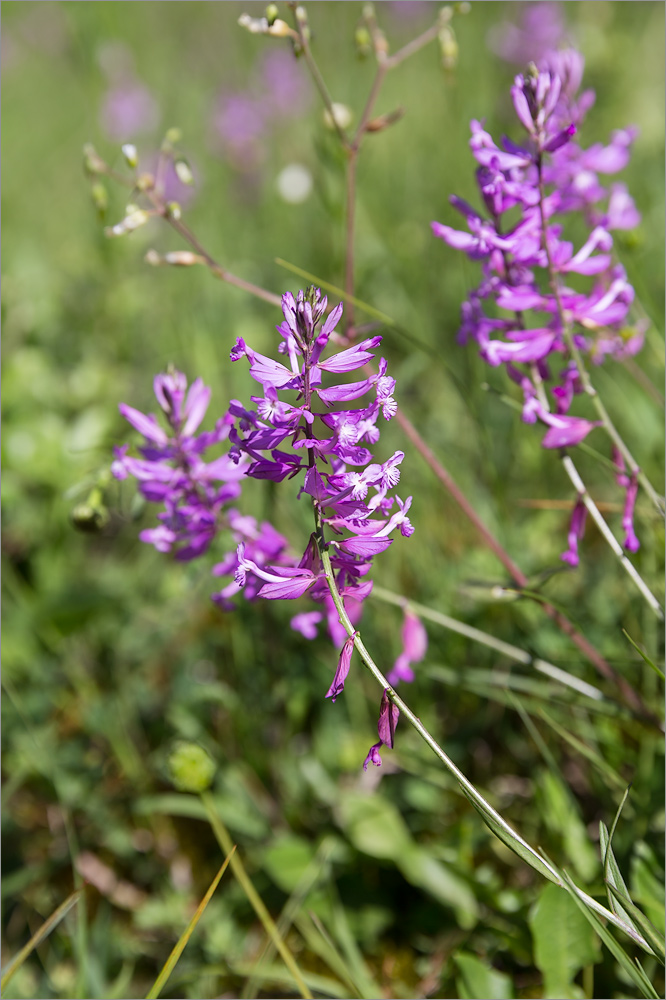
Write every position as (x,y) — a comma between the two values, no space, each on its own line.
(576,532)
(344,663)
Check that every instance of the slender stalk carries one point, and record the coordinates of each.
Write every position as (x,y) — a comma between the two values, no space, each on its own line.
(512,837)
(583,373)
(608,535)
(224,840)
(476,635)
(302,28)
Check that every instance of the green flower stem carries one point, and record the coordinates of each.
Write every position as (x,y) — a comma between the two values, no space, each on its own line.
(493,819)
(608,535)
(476,635)
(583,373)
(238,868)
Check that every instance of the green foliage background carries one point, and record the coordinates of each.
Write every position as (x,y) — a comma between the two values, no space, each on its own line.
(111,653)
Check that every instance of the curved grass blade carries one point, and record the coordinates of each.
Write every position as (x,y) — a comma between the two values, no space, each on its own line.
(179,947)
(647,659)
(49,924)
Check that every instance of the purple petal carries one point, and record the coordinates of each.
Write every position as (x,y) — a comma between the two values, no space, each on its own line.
(147,426)
(338,683)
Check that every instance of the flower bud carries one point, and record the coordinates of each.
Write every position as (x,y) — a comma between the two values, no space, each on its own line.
(145,182)
(173,210)
(92,516)
(384,121)
(255,25)
(343,116)
(173,135)
(130,154)
(448,47)
(131,222)
(183,172)
(363,41)
(92,163)
(272,13)
(100,197)
(190,767)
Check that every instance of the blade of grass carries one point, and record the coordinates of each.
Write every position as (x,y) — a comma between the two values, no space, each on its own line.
(633,969)
(647,659)
(49,924)
(179,947)
(238,868)
(289,911)
(641,921)
(584,750)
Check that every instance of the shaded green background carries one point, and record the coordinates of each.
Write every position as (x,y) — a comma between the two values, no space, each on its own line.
(111,652)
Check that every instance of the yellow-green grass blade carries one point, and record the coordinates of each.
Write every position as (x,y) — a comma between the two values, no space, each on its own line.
(179,947)
(39,935)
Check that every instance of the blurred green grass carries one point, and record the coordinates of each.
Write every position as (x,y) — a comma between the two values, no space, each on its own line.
(112,653)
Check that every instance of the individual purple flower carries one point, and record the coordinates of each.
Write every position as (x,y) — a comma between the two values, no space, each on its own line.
(414,646)
(129,109)
(541,29)
(285,84)
(576,532)
(306,623)
(630,542)
(338,682)
(388,720)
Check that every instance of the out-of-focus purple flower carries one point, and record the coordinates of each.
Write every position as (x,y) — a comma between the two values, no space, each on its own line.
(306,623)
(414,646)
(172,470)
(631,542)
(285,84)
(540,30)
(388,720)
(129,109)
(576,532)
(240,123)
(516,315)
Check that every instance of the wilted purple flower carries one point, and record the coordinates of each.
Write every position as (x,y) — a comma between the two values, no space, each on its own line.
(388,720)
(342,670)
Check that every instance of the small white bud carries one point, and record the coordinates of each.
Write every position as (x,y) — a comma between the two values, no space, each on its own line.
(130,154)
(153,258)
(183,172)
(255,25)
(173,210)
(343,116)
(128,224)
(279,29)
(183,258)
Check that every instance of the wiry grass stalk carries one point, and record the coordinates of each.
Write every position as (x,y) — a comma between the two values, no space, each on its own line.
(503,830)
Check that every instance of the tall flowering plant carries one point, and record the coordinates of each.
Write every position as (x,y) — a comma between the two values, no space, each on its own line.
(302,426)
(524,314)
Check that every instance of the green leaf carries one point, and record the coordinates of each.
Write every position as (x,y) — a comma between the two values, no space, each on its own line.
(561,813)
(478,981)
(564,942)
(421,869)
(633,969)
(287,859)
